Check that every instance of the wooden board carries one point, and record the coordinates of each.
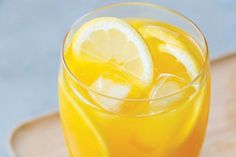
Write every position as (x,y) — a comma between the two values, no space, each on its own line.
(42,137)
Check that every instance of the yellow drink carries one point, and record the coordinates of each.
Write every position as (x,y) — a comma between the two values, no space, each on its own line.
(166,118)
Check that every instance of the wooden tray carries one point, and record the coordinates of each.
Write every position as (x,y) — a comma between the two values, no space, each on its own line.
(42,137)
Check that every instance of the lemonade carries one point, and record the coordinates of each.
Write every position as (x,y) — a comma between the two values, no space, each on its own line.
(132,88)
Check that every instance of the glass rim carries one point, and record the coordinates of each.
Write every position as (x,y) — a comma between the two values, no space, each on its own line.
(83,85)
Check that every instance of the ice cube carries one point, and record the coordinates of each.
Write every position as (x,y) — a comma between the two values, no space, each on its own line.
(117,88)
(170,91)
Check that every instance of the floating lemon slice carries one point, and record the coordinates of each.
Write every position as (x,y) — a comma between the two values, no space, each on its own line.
(172,46)
(113,41)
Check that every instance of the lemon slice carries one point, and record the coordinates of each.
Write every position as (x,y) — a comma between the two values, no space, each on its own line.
(173,46)
(93,143)
(182,56)
(114,41)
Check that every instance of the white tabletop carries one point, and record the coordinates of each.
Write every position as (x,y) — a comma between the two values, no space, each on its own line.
(31,33)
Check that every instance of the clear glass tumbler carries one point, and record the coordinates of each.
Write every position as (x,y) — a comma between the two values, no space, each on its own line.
(173,130)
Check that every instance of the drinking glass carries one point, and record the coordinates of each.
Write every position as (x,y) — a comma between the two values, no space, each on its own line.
(175,130)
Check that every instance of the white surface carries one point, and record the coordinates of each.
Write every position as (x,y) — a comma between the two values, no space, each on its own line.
(31,33)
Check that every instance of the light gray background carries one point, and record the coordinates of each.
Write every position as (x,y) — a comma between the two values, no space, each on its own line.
(31,33)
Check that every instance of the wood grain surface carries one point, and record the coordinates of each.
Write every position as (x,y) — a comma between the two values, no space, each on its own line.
(42,137)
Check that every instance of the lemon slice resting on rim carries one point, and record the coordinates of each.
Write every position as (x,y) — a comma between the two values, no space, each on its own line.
(112,40)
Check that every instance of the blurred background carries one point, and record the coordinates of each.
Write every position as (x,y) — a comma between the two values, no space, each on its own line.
(31,33)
